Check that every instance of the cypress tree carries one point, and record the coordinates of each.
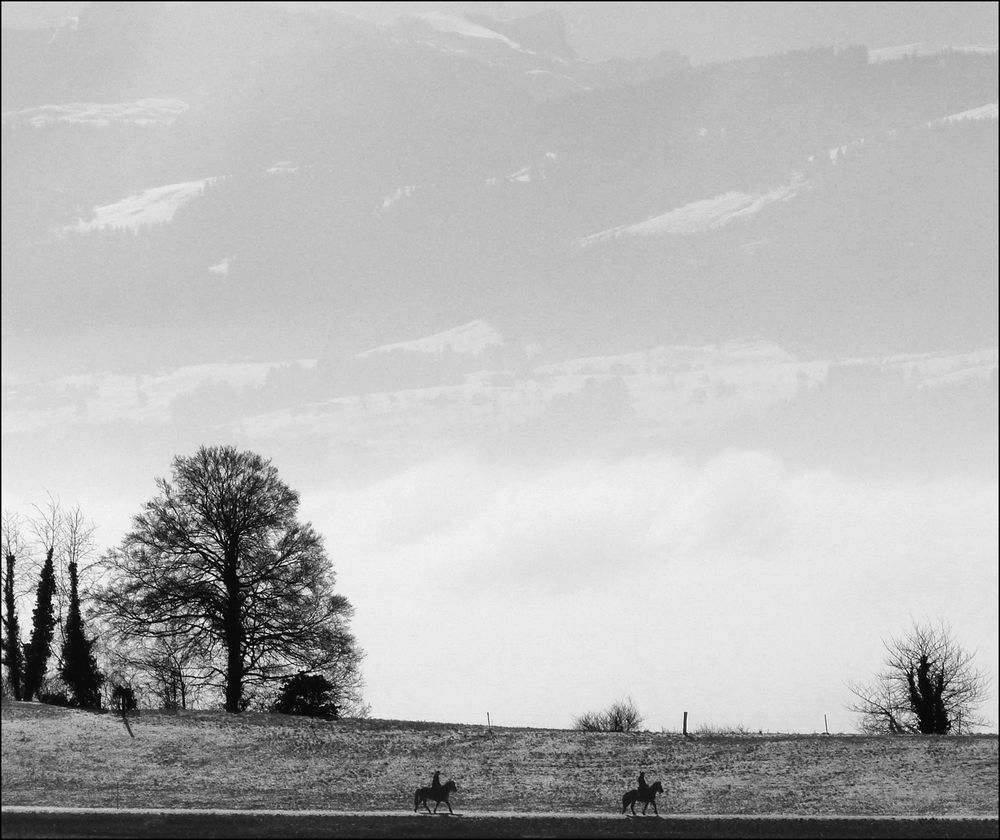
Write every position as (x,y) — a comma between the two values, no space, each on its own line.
(79,667)
(13,654)
(43,622)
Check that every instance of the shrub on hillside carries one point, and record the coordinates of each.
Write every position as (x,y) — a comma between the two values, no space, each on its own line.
(307,694)
(54,698)
(621,716)
(123,698)
(709,729)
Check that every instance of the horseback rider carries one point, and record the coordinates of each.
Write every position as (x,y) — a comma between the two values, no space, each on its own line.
(436,782)
(643,787)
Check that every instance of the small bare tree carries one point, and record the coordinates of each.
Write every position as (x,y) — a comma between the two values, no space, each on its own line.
(929,686)
(167,672)
(74,542)
(620,716)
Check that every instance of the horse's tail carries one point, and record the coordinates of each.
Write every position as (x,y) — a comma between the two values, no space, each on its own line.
(416,799)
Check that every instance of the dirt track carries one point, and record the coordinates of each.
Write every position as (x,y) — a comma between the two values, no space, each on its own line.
(31,823)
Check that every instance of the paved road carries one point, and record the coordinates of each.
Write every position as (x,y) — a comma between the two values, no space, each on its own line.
(31,822)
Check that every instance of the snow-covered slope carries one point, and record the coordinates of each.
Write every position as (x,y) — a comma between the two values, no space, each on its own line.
(700,216)
(983,112)
(471,338)
(459,25)
(149,207)
(397,195)
(671,358)
(141,112)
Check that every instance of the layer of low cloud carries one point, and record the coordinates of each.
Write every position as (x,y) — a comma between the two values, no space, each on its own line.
(731,588)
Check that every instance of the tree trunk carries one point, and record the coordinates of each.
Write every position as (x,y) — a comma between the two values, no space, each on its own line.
(926,700)
(234,639)
(234,676)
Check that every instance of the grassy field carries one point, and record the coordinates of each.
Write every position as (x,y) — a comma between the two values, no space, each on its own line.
(202,759)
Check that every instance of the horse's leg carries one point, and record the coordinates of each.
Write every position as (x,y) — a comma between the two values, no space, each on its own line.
(448,803)
(655,811)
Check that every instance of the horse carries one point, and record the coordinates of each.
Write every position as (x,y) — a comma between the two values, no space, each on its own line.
(649,798)
(421,796)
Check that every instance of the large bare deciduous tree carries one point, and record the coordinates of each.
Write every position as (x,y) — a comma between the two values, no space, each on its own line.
(929,686)
(218,563)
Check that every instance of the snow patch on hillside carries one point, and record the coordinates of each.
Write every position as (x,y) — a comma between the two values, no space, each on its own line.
(457,25)
(140,112)
(282,167)
(221,268)
(471,338)
(700,216)
(149,207)
(983,112)
(398,195)
(840,151)
(672,358)
(537,171)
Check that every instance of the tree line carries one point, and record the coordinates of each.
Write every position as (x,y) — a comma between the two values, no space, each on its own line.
(216,594)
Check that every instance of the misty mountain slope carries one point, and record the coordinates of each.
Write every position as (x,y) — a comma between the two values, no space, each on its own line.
(302,135)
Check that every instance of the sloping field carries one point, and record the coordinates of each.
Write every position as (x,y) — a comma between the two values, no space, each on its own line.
(202,759)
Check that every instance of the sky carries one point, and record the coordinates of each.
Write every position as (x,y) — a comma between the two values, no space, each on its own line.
(536,579)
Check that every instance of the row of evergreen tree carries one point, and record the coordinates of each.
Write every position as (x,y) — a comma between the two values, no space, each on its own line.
(27,663)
